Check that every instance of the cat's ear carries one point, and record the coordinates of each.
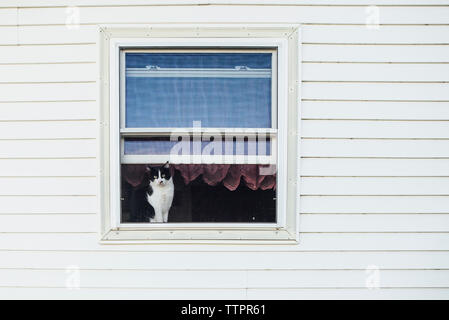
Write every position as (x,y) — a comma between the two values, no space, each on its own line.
(148,169)
(166,165)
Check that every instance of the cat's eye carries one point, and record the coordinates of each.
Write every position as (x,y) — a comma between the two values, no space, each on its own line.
(163,176)
(155,177)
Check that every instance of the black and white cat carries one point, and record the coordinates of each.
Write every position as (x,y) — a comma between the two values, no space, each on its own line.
(160,192)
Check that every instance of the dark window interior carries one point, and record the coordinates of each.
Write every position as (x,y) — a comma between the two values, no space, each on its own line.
(199,202)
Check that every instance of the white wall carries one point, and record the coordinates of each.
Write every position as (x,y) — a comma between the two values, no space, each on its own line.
(375,157)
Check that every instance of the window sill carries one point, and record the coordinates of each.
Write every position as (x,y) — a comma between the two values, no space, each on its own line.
(194,235)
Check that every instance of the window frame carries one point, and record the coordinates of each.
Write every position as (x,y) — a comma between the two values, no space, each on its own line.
(285,38)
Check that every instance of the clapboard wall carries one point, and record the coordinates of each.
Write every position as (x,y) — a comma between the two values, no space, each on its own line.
(374,157)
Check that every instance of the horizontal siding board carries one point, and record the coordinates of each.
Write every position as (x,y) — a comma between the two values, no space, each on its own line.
(48,205)
(223,294)
(374,186)
(229,260)
(373,241)
(47,186)
(343,279)
(21,293)
(48,111)
(224,279)
(48,223)
(45,149)
(353,294)
(374,148)
(125,278)
(57,34)
(47,92)
(48,167)
(48,130)
(8,17)
(211,13)
(374,72)
(374,167)
(308,241)
(374,129)
(8,35)
(375,53)
(49,54)
(375,91)
(48,72)
(55,3)
(395,110)
(377,204)
(374,222)
(384,35)
(309,223)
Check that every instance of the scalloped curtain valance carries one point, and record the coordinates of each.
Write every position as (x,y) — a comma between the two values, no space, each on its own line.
(254,176)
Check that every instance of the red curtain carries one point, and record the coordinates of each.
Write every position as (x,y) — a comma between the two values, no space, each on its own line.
(254,176)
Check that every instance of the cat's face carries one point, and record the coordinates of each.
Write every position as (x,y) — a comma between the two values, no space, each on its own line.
(159,175)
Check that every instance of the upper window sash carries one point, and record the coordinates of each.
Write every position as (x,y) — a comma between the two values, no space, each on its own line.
(155,70)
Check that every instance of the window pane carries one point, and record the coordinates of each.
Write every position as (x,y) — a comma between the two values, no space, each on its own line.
(163,146)
(203,193)
(199,90)
(222,90)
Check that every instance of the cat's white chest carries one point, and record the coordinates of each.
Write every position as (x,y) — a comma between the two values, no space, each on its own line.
(161,199)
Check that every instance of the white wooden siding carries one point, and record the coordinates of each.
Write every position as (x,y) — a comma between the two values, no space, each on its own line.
(374,157)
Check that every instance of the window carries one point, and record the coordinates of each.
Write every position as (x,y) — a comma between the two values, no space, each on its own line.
(199,134)
(212,115)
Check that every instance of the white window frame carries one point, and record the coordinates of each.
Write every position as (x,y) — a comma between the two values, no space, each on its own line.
(285,38)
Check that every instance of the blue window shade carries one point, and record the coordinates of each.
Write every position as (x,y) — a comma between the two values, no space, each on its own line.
(229,99)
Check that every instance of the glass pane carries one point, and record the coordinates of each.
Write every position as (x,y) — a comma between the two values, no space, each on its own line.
(199,90)
(200,193)
(221,90)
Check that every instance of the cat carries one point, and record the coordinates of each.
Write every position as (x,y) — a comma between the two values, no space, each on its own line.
(160,192)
